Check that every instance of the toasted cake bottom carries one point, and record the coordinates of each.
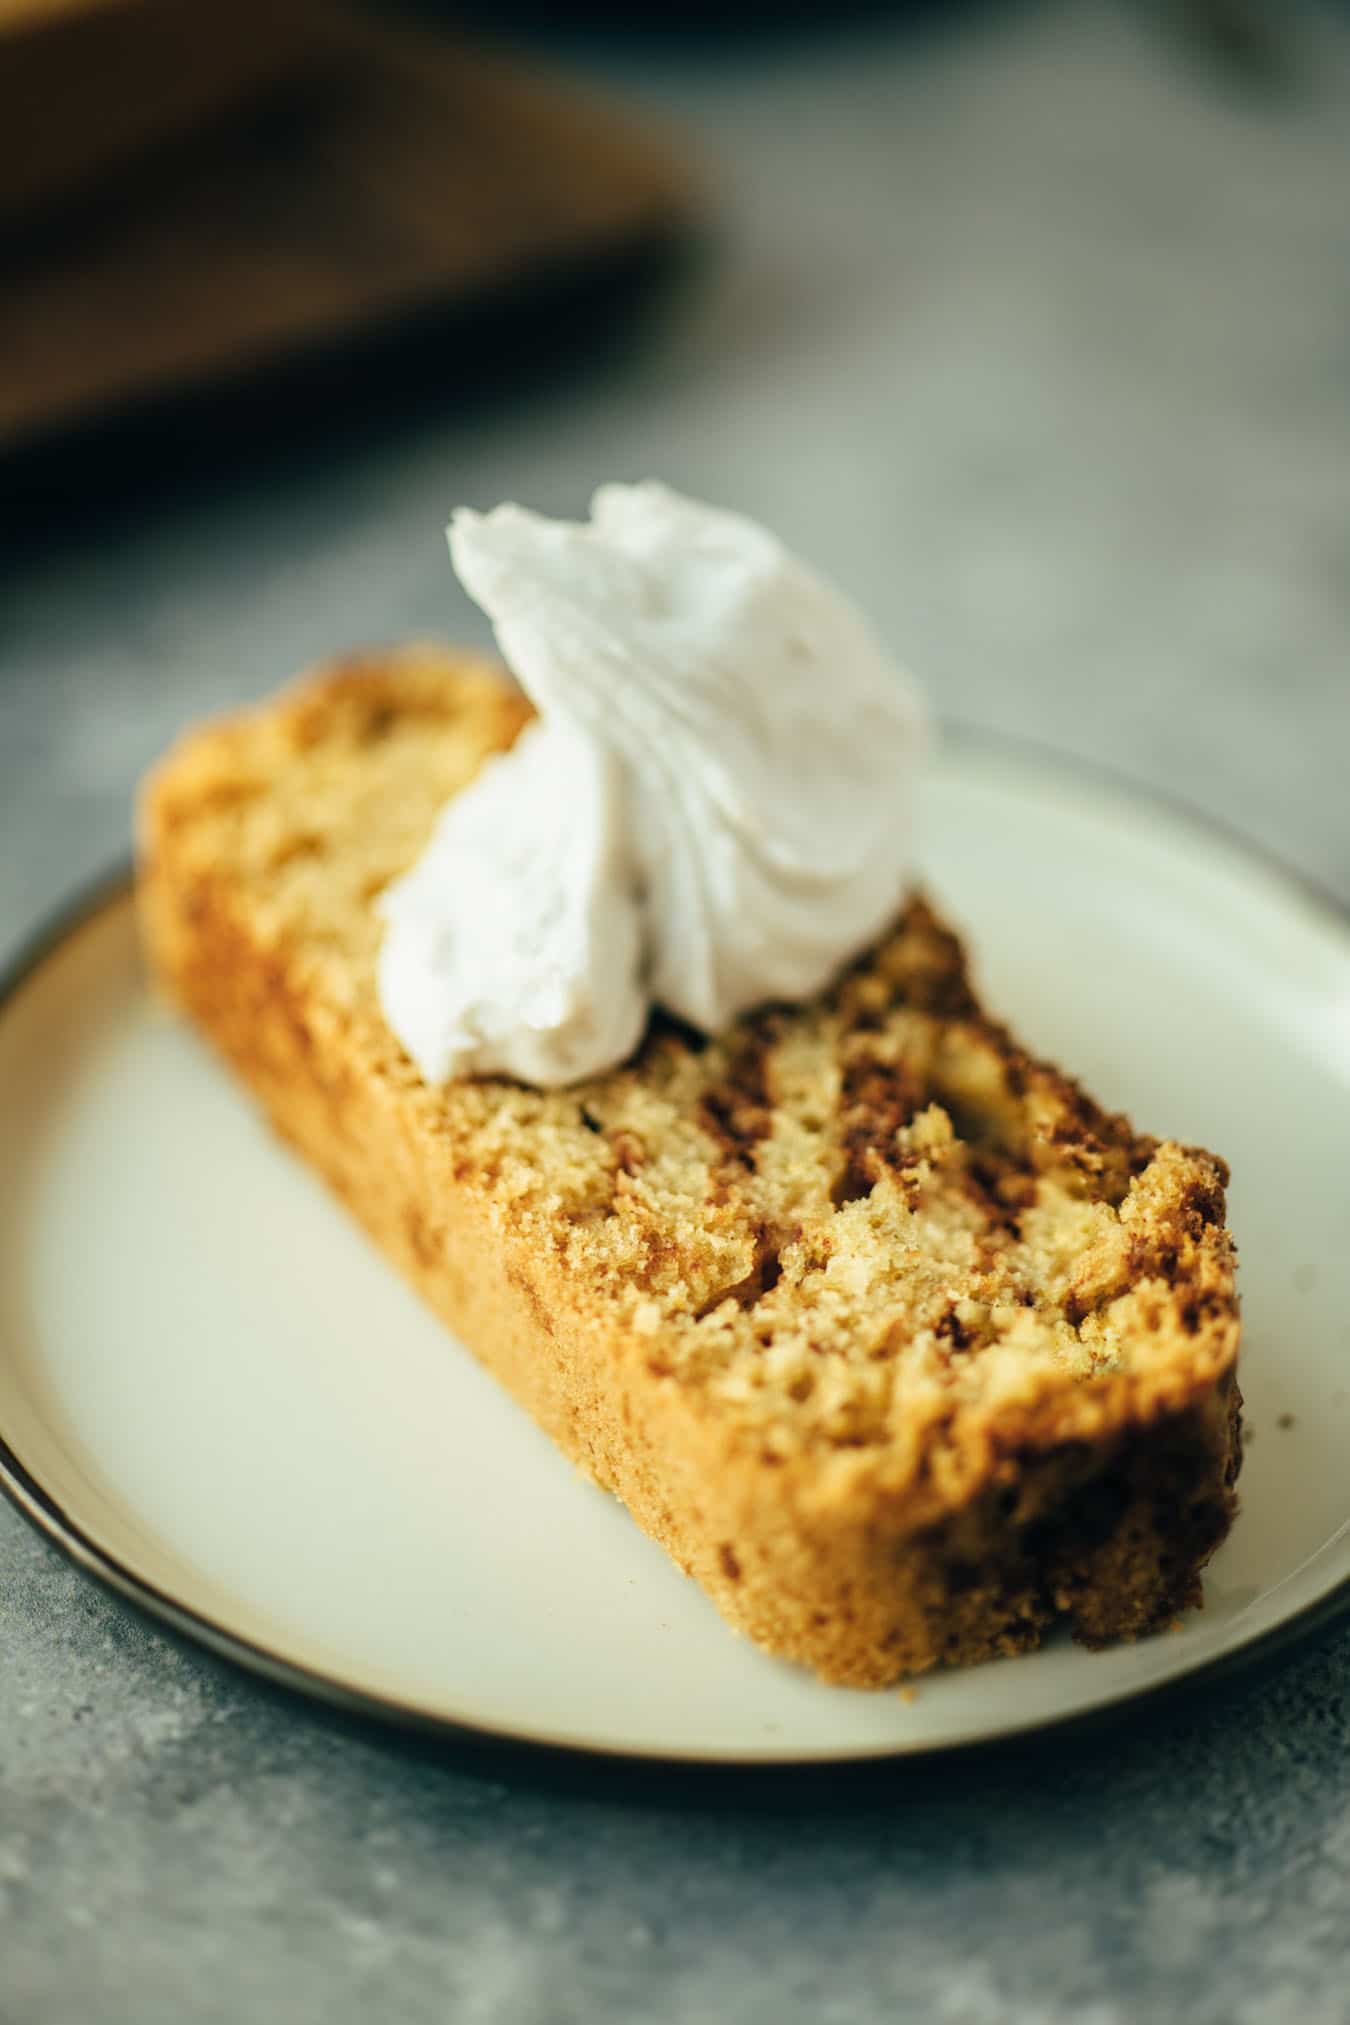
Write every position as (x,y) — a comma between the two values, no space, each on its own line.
(1098,1504)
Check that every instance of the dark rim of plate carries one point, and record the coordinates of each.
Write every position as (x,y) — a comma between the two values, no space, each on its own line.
(540,1751)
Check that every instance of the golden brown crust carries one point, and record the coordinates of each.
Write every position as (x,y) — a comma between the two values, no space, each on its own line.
(894,1339)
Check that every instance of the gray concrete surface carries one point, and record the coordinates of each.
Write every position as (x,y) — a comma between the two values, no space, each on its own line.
(1036,335)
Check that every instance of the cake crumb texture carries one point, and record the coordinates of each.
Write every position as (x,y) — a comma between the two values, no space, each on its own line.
(893,1337)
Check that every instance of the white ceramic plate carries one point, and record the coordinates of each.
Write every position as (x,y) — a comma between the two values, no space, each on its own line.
(215,1394)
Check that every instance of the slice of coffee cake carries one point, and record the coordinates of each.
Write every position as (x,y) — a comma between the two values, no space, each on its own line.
(898,1344)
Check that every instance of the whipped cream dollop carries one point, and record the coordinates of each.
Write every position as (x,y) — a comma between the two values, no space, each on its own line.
(711,809)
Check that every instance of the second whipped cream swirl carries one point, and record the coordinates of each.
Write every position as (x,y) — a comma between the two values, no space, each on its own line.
(712,808)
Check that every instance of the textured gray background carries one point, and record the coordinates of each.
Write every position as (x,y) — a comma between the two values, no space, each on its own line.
(1038,335)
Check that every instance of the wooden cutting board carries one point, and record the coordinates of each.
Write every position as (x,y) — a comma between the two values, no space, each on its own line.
(388,173)
(86,84)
